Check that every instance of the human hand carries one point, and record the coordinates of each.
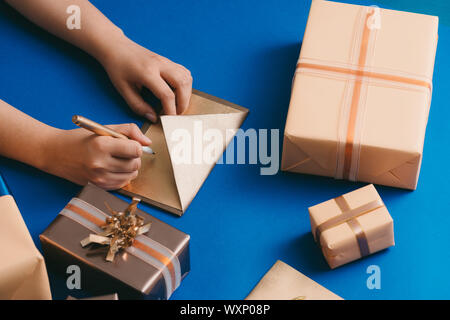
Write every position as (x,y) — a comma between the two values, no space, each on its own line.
(81,157)
(131,67)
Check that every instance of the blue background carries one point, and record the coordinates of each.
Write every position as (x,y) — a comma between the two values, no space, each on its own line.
(240,223)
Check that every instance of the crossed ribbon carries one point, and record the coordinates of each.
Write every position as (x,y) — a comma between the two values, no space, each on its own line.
(120,230)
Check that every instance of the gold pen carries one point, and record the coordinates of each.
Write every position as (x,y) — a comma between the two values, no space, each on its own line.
(100,130)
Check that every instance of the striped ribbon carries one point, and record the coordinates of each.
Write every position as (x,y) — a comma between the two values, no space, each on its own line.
(349,216)
(144,248)
(359,75)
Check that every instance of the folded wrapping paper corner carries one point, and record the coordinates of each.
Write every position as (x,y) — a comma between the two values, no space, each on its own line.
(23,274)
(154,264)
(376,67)
(282,282)
(352,226)
(170,184)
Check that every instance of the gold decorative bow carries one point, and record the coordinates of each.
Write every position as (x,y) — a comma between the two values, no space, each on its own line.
(120,230)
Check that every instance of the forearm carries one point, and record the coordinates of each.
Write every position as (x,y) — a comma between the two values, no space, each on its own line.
(129,65)
(96,35)
(23,138)
(76,155)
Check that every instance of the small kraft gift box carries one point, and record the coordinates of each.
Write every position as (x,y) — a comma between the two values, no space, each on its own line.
(361,94)
(352,226)
(117,247)
(23,275)
(282,282)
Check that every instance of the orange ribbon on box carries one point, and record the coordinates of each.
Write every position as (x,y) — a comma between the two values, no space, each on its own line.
(125,230)
(349,216)
(358,74)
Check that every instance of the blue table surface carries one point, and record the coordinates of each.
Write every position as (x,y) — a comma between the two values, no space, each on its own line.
(240,223)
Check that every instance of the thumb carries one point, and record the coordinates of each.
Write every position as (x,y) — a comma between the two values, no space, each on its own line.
(132,131)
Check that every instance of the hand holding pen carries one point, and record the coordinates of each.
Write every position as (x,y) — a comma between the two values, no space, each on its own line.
(76,155)
(81,157)
(97,128)
(110,158)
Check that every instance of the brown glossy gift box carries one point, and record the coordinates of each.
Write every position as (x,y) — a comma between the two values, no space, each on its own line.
(361,94)
(153,266)
(282,282)
(352,226)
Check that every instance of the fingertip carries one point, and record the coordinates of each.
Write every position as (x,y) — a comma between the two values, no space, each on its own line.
(151,117)
(136,134)
(147,150)
(170,110)
(145,140)
(182,109)
(140,137)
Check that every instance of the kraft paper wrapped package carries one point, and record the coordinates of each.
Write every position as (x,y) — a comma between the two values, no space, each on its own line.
(152,266)
(352,226)
(23,275)
(282,282)
(361,94)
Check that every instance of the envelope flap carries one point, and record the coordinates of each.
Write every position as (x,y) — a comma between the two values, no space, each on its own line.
(155,182)
(203,103)
(161,180)
(195,143)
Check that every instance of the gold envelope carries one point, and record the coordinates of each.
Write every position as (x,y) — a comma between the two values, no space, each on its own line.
(361,94)
(282,282)
(23,275)
(172,185)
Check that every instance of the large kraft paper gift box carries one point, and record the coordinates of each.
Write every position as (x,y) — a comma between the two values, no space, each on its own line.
(282,282)
(153,266)
(352,226)
(361,94)
(23,275)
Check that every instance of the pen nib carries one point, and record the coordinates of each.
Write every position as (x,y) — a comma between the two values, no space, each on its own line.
(148,150)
